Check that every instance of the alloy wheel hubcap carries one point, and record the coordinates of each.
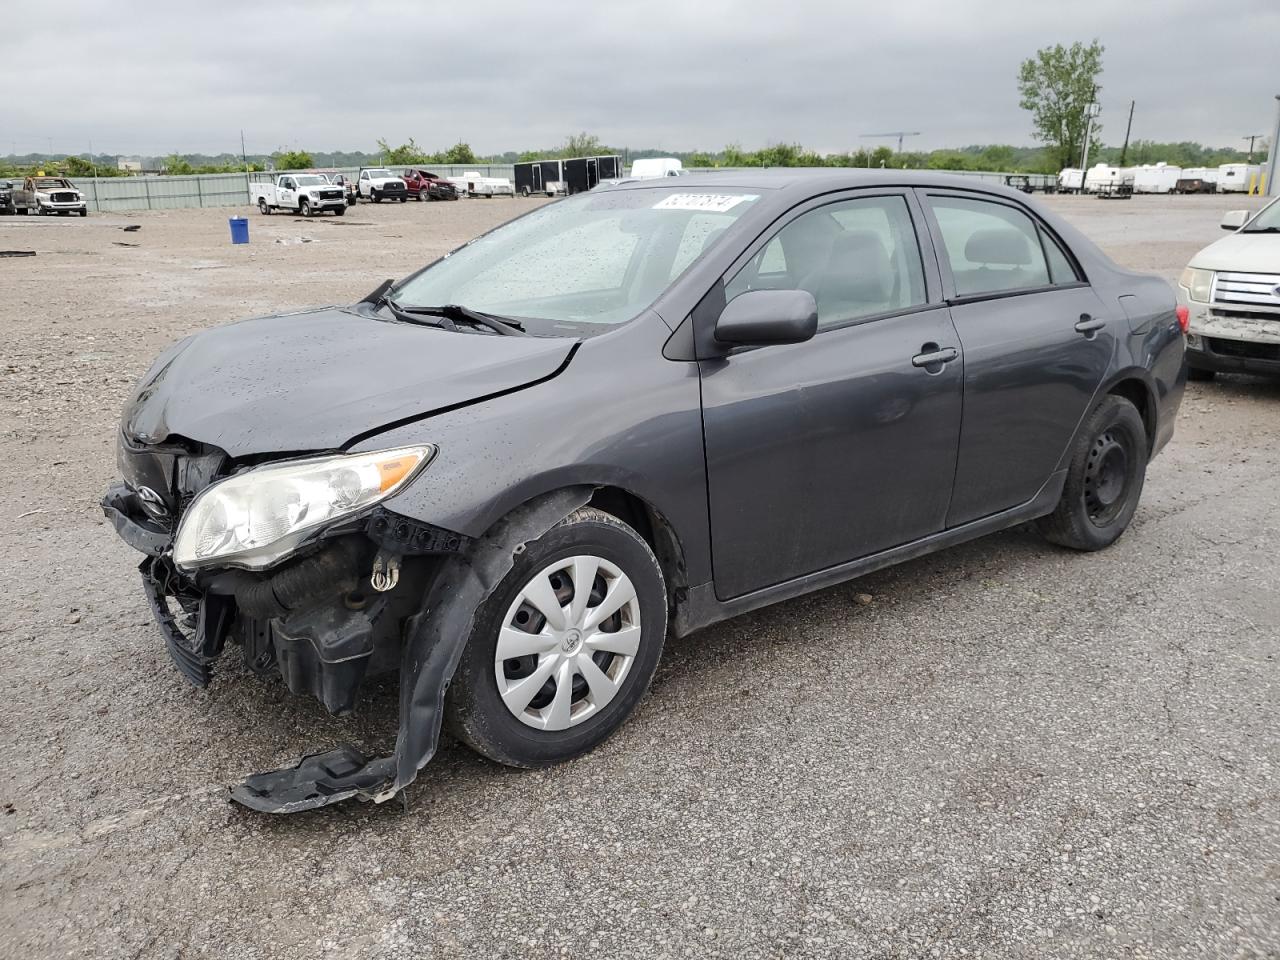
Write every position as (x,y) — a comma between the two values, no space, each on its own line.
(567,642)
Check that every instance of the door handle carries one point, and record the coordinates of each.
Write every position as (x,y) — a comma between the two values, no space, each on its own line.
(934,356)
(1089,325)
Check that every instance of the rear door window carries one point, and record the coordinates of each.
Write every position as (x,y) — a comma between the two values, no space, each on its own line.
(992,248)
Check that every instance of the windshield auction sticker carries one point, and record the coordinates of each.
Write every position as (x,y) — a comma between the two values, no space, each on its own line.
(710,202)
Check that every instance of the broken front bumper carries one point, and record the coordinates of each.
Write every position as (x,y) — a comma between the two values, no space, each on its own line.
(308,619)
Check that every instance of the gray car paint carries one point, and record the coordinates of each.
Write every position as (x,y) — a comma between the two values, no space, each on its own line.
(623,414)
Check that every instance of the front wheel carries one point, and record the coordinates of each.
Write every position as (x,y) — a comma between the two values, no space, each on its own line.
(84,212)
(375,196)
(563,650)
(304,208)
(1104,480)
(339,211)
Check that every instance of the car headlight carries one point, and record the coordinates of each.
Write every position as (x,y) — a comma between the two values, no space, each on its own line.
(254,518)
(1197,283)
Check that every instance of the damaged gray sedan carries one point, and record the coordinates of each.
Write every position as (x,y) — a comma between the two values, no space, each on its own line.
(627,415)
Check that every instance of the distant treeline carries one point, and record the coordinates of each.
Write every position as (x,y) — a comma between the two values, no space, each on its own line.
(997,157)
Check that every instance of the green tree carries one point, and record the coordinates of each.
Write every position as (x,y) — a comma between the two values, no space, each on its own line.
(405,155)
(293,160)
(1056,86)
(177,166)
(582,145)
(459,153)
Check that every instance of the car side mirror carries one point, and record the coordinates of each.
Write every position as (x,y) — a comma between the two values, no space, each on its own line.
(768,316)
(1234,219)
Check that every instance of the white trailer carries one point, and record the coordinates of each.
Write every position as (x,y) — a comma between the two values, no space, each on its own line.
(1238,177)
(1070,178)
(1104,176)
(471,184)
(1156,178)
(651,168)
(1207,174)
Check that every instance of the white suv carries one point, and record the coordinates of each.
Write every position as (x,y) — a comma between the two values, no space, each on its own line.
(1231,289)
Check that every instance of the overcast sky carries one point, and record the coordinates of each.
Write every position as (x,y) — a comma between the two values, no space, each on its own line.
(150,78)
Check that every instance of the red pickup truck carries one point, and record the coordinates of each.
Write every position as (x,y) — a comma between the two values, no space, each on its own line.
(425,185)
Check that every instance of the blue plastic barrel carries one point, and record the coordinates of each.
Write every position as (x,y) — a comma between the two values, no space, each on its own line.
(239,229)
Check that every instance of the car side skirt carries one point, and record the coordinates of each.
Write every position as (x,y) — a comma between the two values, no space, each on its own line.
(701,608)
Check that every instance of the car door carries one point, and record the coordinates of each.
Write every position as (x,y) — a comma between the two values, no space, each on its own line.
(1037,344)
(286,192)
(830,450)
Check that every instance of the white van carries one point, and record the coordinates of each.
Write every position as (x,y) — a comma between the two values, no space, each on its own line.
(654,167)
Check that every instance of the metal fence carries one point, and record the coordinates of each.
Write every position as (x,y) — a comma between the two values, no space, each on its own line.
(232,189)
(216,189)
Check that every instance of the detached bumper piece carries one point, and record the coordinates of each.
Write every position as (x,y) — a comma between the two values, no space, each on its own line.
(315,781)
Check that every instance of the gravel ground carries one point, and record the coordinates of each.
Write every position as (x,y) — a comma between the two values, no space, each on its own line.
(1004,750)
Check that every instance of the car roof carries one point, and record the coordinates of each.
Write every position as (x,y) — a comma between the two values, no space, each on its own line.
(816,180)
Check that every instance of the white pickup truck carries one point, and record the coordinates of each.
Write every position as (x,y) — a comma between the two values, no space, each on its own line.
(304,193)
(379,183)
(49,195)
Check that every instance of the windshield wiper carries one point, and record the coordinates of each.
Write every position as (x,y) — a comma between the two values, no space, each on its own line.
(1262,230)
(379,298)
(451,313)
(507,326)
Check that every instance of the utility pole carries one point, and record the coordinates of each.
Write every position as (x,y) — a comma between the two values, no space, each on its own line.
(1124,151)
(1271,154)
(1091,111)
(1251,138)
(243,159)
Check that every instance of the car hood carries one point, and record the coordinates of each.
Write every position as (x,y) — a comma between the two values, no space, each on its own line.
(318,379)
(1241,252)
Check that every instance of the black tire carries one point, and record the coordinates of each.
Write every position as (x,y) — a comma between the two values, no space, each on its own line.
(524,191)
(1200,374)
(404,198)
(84,212)
(374,195)
(339,211)
(474,710)
(304,207)
(1107,469)
(264,208)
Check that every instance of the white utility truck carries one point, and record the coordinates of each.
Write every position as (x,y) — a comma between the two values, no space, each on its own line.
(304,193)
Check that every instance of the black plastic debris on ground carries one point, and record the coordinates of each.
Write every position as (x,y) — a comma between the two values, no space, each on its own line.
(17,253)
(132,229)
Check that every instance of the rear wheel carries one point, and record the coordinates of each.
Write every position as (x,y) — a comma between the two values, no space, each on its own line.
(1104,479)
(263,207)
(1200,374)
(563,650)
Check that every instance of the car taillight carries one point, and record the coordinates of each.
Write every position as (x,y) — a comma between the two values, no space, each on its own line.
(1184,317)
